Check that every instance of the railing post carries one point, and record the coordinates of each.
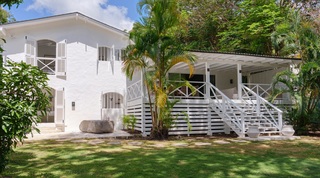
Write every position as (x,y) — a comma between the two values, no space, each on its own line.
(223,105)
(209,121)
(258,103)
(243,130)
(280,120)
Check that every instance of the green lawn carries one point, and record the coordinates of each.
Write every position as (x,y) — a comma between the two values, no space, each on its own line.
(299,158)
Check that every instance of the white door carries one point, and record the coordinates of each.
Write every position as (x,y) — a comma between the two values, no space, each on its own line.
(61,61)
(59,106)
(30,52)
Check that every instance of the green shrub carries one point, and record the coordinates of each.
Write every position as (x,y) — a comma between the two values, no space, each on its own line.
(23,101)
(129,122)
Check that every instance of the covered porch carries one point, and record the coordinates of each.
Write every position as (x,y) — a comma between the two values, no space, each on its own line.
(229,88)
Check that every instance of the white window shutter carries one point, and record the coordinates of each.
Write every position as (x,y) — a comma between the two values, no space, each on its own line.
(98,58)
(112,59)
(30,52)
(61,61)
(59,106)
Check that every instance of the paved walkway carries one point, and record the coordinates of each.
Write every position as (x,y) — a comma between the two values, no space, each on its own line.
(77,135)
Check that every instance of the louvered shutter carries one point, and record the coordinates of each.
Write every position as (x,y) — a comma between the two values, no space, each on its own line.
(112,59)
(98,58)
(30,52)
(59,106)
(61,61)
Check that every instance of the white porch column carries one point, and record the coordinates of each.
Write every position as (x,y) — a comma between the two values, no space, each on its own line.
(239,76)
(207,72)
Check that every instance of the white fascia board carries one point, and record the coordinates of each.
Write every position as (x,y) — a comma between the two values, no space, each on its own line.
(37,21)
(56,18)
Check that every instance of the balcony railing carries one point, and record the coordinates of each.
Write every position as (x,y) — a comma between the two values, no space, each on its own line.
(47,65)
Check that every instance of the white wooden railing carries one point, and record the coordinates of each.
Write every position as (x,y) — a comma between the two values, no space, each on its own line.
(47,65)
(262,107)
(234,116)
(184,92)
(134,91)
(263,90)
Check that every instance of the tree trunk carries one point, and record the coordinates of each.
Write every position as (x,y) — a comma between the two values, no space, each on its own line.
(159,133)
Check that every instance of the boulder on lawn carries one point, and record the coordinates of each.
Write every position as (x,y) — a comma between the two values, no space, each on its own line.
(97,126)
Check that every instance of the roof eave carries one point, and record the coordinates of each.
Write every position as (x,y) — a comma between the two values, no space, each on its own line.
(74,15)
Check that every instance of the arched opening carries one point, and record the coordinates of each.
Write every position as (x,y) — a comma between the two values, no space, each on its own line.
(112,100)
(46,56)
(113,109)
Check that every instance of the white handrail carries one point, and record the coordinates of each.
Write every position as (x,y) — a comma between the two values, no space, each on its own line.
(238,120)
(261,101)
(46,67)
(183,91)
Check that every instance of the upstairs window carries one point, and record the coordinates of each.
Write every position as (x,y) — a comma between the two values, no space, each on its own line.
(105,54)
(119,54)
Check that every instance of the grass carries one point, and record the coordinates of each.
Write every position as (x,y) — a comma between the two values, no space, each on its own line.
(299,158)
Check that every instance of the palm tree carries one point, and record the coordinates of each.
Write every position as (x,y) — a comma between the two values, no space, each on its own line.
(155,53)
(298,37)
(304,89)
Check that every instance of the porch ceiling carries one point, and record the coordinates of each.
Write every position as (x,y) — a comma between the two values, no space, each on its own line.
(249,63)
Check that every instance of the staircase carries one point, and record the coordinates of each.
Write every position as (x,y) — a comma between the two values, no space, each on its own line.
(250,110)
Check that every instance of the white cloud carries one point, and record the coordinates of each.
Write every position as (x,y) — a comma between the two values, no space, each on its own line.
(98,9)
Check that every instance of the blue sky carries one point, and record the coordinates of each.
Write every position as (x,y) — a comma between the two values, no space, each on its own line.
(118,13)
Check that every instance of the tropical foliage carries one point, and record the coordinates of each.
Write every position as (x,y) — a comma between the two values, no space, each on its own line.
(24,97)
(304,89)
(129,121)
(299,37)
(238,25)
(154,52)
(24,100)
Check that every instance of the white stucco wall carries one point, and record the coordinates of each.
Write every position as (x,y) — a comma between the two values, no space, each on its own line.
(223,79)
(86,78)
(264,77)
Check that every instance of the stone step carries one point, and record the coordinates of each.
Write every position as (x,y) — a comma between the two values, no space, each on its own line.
(45,130)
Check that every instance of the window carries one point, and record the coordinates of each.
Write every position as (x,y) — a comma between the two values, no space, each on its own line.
(119,54)
(105,54)
(46,55)
(112,100)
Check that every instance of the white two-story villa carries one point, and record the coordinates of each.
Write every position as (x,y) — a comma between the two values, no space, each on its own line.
(82,58)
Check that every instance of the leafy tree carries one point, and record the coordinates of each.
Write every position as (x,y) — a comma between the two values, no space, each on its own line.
(5,16)
(231,25)
(10,3)
(155,53)
(250,30)
(304,89)
(202,20)
(298,37)
(25,97)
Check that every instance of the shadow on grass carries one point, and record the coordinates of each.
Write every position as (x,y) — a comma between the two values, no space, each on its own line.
(82,160)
